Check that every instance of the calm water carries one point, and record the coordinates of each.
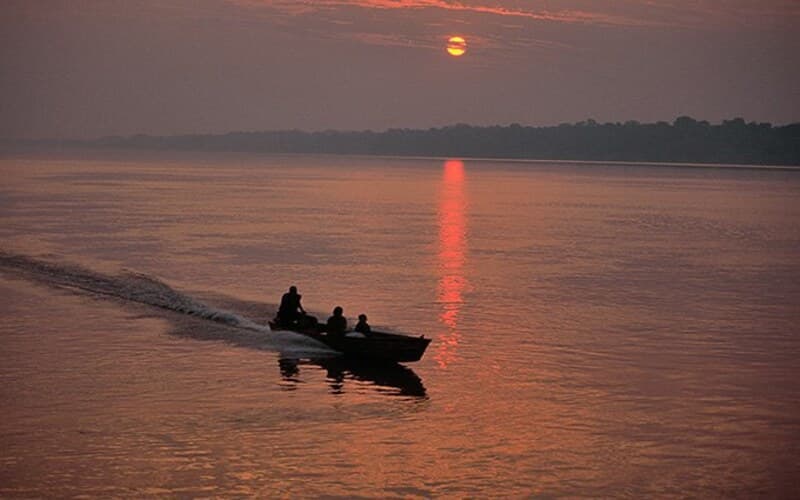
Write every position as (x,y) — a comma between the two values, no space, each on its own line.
(598,330)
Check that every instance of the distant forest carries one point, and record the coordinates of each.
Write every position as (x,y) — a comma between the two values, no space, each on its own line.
(684,140)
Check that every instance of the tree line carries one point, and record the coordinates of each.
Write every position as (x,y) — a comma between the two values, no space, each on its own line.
(684,140)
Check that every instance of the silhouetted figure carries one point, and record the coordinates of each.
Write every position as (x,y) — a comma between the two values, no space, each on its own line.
(362,326)
(337,324)
(290,310)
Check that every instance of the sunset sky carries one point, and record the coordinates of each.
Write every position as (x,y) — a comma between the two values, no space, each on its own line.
(86,68)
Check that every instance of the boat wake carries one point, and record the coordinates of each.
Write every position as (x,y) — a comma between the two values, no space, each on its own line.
(229,321)
(136,288)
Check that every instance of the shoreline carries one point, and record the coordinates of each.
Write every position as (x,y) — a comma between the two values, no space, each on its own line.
(83,151)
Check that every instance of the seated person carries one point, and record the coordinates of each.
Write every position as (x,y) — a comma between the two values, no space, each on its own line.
(290,310)
(337,324)
(362,326)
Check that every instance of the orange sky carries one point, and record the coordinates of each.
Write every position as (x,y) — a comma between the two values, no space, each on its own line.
(84,68)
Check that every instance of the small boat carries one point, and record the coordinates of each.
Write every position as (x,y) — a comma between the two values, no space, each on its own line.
(377,346)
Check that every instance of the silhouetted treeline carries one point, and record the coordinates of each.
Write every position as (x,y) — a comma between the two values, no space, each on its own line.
(684,140)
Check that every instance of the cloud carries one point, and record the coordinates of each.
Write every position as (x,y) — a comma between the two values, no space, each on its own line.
(572,16)
(696,14)
(511,25)
(391,40)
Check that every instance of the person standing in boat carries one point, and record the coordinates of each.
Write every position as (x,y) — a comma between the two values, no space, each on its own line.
(337,324)
(362,326)
(290,310)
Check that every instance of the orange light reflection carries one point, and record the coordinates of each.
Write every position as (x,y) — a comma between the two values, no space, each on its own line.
(452,255)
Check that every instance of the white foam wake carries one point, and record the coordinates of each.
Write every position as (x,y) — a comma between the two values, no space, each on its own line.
(143,289)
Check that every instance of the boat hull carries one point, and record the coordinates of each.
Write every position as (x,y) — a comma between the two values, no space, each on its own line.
(378,346)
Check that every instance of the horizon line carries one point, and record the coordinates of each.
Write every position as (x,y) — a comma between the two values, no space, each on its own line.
(590,121)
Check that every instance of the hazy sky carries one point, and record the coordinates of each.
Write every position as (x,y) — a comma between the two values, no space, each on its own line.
(85,68)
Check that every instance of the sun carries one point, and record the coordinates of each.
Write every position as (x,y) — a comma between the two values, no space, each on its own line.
(456,46)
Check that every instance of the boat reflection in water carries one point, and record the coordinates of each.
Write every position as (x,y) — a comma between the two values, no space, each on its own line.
(392,379)
(452,255)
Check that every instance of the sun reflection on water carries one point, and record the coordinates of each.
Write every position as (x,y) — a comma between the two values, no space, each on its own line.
(452,255)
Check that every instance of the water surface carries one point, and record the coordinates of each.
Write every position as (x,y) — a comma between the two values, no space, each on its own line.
(598,330)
